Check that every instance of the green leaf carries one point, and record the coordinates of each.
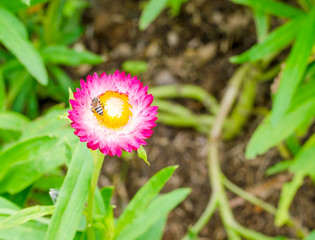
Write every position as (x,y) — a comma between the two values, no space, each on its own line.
(14,21)
(294,70)
(26,215)
(135,67)
(287,194)
(142,198)
(32,105)
(2,92)
(20,80)
(72,196)
(107,193)
(21,197)
(302,165)
(63,79)
(48,125)
(27,2)
(156,231)
(293,144)
(70,57)
(24,163)
(279,167)
(310,73)
(311,236)
(70,96)
(267,135)
(159,207)
(142,154)
(52,21)
(262,24)
(150,12)
(24,95)
(13,121)
(11,126)
(6,204)
(18,5)
(27,231)
(275,8)
(10,37)
(45,183)
(304,162)
(108,219)
(276,41)
(175,6)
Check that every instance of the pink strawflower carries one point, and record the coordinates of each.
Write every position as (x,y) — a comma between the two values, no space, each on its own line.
(112,113)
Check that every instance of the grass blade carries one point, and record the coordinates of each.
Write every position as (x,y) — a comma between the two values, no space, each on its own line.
(262,24)
(11,38)
(156,231)
(69,57)
(267,135)
(288,192)
(13,121)
(26,215)
(294,70)
(143,197)
(72,196)
(275,8)
(2,92)
(276,41)
(27,231)
(151,12)
(159,208)
(25,162)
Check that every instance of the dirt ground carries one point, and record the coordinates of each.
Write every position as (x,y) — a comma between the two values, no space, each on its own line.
(191,48)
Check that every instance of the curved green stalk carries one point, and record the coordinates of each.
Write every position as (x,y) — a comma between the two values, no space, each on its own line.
(186,91)
(193,231)
(249,197)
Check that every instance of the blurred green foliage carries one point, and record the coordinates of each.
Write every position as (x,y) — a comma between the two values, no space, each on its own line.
(36,37)
(293,107)
(153,8)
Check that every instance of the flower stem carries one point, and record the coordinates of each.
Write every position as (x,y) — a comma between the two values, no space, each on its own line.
(98,159)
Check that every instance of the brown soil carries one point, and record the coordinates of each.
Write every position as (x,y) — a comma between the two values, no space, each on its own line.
(191,48)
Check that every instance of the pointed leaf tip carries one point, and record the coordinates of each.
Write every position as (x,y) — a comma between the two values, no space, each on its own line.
(142,154)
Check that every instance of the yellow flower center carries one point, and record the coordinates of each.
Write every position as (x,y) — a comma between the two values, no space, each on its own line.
(116,110)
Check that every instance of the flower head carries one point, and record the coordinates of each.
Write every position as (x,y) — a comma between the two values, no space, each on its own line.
(112,113)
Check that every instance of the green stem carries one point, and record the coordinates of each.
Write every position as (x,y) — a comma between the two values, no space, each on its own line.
(213,159)
(98,159)
(249,197)
(250,234)
(186,91)
(212,205)
(284,152)
(217,186)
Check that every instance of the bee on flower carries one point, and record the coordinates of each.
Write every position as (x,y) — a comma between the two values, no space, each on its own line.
(112,113)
